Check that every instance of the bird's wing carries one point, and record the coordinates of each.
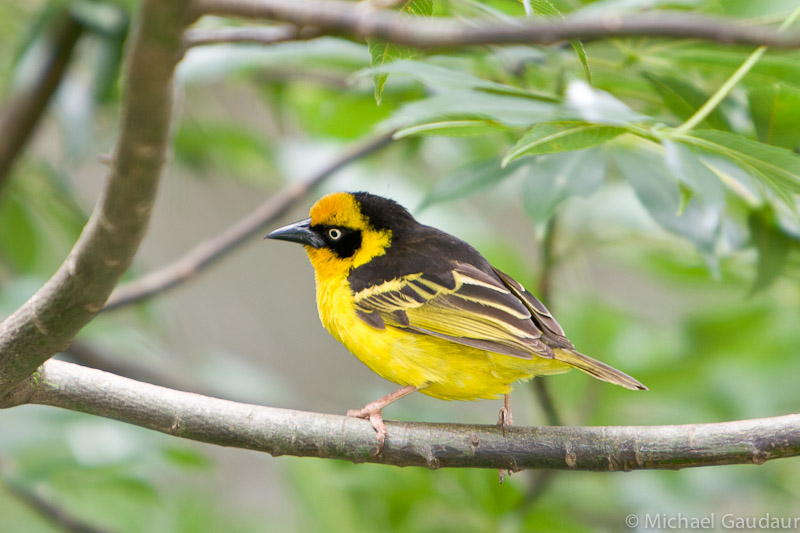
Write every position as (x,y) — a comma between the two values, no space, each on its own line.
(463,304)
(551,329)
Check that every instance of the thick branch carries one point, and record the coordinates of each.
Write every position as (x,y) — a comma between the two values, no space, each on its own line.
(23,111)
(361,20)
(208,252)
(47,323)
(286,432)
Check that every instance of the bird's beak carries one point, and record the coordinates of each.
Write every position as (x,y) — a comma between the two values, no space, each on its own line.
(299,232)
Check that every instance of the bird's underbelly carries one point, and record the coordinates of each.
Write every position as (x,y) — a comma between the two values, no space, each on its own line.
(446,369)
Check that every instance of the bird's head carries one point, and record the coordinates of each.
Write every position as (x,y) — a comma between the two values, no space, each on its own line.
(346,230)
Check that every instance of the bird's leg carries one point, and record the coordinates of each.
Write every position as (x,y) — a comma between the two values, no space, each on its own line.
(505,421)
(372,412)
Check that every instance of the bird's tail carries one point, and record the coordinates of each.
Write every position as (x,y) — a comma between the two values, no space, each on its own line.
(595,368)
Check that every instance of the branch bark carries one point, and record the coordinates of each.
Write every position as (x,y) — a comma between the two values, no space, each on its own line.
(208,252)
(364,21)
(287,432)
(49,320)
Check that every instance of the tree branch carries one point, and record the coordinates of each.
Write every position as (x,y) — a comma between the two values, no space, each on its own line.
(540,386)
(364,21)
(49,320)
(287,432)
(261,35)
(208,252)
(23,111)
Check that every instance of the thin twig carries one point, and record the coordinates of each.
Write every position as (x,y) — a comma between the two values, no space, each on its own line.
(540,386)
(548,260)
(262,35)
(206,253)
(288,432)
(543,479)
(337,17)
(23,111)
(44,508)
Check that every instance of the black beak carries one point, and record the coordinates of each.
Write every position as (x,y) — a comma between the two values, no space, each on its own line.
(299,232)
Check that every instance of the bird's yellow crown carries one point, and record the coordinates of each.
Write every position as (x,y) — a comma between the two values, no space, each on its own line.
(338,209)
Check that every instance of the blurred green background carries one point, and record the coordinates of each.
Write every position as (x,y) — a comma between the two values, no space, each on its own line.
(686,280)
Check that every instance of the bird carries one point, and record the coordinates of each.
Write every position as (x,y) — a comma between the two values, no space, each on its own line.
(425,310)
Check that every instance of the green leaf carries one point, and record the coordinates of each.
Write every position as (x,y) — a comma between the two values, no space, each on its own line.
(738,180)
(685,164)
(553,137)
(470,105)
(660,194)
(546,8)
(469,179)
(439,78)
(778,167)
(683,99)
(331,112)
(773,247)
(18,237)
(39,220)
(686,197)
(775,109)
(581,53)
(593,105)
(452,128)
(185,457)
(551,179)
(382,52)
(781,67)
(242,153)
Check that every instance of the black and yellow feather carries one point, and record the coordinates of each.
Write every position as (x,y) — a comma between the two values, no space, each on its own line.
(423,308)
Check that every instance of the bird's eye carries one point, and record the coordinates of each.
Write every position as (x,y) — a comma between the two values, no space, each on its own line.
(335,234)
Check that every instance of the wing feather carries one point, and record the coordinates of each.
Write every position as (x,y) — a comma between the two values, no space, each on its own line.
(435,284)
(553,332)
(465,305)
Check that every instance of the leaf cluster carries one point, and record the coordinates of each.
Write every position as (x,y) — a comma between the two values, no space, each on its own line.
(563,137)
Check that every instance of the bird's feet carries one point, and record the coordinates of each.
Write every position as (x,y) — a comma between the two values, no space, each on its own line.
(372,412)
(505,421)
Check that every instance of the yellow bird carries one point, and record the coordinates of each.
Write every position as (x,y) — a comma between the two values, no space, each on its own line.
(425,309)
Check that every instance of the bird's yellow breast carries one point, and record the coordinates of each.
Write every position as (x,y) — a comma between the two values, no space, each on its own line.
(447,370)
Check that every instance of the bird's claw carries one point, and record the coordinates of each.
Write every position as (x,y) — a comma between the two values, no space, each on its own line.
(504,419)
(376,420)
